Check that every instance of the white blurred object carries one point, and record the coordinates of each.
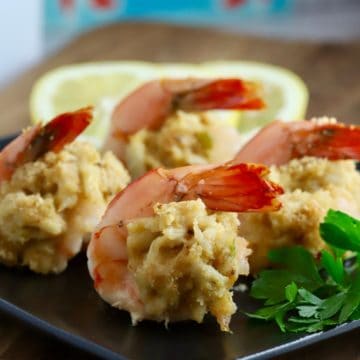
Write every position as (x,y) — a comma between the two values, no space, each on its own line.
(30,29)
(20,36)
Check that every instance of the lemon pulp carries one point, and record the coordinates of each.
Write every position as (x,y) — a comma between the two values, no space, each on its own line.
(103,85)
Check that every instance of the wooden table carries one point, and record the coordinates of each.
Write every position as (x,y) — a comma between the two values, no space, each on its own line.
(331,71)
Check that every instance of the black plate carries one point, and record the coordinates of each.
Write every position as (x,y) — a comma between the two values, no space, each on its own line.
(67,307)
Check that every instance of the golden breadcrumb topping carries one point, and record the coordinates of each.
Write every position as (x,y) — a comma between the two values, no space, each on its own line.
(312,186)
(185,259)
(50,205)
(184,139)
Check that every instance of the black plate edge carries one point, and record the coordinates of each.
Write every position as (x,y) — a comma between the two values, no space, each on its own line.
(304,341)
(67,337)
(4,140)
(104,353)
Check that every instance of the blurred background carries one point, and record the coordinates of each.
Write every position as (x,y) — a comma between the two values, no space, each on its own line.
(33,29)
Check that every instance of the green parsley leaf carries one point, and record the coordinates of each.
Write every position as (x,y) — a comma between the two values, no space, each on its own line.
(270,285)
(341,230)
(304,294)
(279,318)
(334,266)
(309,297)
(300,320)
(269,312)
(307,311)
(338,253)
(320,325)
(300,262)
(352,300)
(356,314)
(291,292)
(331,306)
(299,324)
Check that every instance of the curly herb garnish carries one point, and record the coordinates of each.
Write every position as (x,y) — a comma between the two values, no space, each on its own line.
(307,295)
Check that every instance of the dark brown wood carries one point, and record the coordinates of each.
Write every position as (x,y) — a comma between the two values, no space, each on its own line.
(331,71)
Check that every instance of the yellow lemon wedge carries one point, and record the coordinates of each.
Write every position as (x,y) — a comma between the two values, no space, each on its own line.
(71,87)
(104,84)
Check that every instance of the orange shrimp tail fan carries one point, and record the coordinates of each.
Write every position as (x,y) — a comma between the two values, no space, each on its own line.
(222,94)
(36,141)
(332,141)
(60,131)
(237,188)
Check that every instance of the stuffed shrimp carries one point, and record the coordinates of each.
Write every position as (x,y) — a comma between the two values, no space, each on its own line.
(313,162)
(168,247)
(53,191)
(166,123)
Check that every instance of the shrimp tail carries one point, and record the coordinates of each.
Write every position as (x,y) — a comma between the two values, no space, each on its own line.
(149,105)
(222,94)
(332,141)
(238,188)
(36,141)
(62,130)
(278,142)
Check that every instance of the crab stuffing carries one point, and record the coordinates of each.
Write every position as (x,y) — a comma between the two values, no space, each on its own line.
(168,123)
(175,252)
(312,162)
(185,260)
(50,201)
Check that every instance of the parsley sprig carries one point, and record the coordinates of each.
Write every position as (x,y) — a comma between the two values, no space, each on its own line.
(303,294)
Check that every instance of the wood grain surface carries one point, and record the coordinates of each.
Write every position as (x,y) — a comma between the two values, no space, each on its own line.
(331,71)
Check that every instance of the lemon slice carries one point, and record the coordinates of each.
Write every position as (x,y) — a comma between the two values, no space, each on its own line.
(104,84)
(99,84)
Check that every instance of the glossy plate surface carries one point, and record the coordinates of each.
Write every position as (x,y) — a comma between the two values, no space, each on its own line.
(67,307)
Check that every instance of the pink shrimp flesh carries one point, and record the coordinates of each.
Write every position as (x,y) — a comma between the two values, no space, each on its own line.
(36,141)
(279,142)
(149,105)
(235,188)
